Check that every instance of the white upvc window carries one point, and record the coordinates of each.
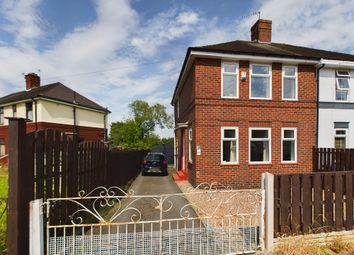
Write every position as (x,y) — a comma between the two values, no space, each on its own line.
(2,147)
(260,145)
(342,85)
(261,81)
(177,110)
(229,145)
(229,80)
(2,116)
(289,87)
(190,140)
(340,138)
(289,145)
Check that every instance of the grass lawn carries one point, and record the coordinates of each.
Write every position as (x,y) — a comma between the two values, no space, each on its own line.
(3,218)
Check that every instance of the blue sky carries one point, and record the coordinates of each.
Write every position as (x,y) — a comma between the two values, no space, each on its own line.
(116,51)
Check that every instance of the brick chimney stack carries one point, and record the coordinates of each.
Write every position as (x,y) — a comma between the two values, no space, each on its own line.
(261,31)
(32,81)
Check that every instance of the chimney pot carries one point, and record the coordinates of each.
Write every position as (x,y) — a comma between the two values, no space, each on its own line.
(261,31)
(32,81)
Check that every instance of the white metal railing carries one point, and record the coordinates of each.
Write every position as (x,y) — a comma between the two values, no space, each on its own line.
(205,220)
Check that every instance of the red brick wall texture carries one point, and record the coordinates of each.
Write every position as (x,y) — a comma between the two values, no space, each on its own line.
(207,112)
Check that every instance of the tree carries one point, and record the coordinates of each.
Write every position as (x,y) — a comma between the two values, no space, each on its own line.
(137,132)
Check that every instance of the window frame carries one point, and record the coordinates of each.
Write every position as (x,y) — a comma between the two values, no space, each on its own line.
(2,119)
(250,139)
(222,139)
(341,136)
(296,83)
(27,110)
(14,110)
(260,75)
(288,139)
(2,143)
(236,73)
(190,141)
(338,88)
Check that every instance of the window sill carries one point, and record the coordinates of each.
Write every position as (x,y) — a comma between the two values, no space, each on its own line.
(229,97)
(289,162)
(259,163)
(229,164)
(290,99)
(260,98)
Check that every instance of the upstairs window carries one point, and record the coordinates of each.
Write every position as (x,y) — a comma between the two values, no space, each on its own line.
(229,80)
(261,82)
(289,82)
(229,141)
(1,116)
(29,111)
(14,111)
(342,85)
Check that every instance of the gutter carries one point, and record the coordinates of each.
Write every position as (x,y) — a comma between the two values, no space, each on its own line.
(318,99)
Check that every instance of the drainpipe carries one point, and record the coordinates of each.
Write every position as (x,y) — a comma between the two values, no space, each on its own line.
(35,112)
(74,113)
(105,128)
(317,101)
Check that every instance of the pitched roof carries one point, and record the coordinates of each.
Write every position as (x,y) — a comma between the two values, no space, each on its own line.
(266,50)
(55,91)
(274,50)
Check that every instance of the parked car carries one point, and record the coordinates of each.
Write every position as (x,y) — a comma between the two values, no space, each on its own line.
(155,163)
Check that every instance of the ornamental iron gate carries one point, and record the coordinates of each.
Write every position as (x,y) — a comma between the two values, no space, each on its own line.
(206,220)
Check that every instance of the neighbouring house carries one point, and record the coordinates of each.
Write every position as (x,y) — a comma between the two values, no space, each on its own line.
(52,106)
(247,107)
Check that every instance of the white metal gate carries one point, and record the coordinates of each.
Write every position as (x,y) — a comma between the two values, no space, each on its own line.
(205,220)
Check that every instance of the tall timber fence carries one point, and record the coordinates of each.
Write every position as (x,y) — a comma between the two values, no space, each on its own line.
(332,159)
(48,163)
(313,202)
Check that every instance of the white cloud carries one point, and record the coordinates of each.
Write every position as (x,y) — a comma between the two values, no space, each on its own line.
(163,28)
(319,24)
(23,19)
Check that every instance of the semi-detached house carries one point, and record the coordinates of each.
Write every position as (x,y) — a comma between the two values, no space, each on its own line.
(52,106)
(246,107)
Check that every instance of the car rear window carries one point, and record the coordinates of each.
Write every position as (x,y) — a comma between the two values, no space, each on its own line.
(154,157)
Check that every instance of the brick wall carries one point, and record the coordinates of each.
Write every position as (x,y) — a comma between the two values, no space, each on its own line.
(212,112)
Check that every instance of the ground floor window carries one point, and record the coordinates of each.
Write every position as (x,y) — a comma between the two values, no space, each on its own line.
(289,144)
(260,145)
(229,150)
(190,140)
(2,147)
(340,139)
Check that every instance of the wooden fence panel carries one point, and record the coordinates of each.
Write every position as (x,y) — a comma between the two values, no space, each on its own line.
(313,202)
(331,159)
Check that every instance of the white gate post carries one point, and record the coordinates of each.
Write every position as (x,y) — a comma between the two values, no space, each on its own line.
(267,212)
(36,227)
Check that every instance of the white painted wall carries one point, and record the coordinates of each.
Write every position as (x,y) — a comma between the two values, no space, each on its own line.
(327,91)
(326,131)
(59,113)
(89,118)
(53,112)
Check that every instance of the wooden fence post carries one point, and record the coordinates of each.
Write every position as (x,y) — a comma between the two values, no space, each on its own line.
(19,197)
(267,212)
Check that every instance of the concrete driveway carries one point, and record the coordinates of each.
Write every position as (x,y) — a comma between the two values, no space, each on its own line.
(145,206)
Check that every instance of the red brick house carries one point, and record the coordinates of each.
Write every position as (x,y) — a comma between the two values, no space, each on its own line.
(246,107)
(52,106)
